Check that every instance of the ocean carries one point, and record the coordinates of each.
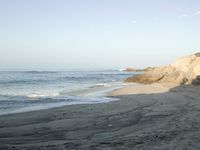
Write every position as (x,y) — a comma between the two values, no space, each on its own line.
(22,91)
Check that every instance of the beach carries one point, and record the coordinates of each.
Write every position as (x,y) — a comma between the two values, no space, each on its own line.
(166,119)
(99,75)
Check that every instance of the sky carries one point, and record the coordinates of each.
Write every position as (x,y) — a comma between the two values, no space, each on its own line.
(71,34)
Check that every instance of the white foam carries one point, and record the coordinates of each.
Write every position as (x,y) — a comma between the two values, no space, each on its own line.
(123,69)
(100,85)
(40,94)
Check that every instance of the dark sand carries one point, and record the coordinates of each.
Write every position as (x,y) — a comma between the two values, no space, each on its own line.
(159,121)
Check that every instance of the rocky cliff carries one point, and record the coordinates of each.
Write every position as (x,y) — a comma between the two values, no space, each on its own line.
(184,70)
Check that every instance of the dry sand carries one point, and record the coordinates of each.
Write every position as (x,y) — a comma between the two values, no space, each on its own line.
(155,119)
(143,89)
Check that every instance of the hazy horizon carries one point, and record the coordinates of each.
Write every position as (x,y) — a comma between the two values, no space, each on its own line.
(101,34)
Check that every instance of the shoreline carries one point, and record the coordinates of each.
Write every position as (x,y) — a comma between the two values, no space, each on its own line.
(34,90)
(130,89)
(91,95)
(167,120)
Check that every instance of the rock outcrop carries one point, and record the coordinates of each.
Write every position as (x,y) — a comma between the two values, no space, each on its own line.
(184,70)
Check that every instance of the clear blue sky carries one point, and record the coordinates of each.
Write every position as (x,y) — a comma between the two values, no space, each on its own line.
(96,33)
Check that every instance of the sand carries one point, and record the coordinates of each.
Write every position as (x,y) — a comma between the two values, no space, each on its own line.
(143,89)
(164,117)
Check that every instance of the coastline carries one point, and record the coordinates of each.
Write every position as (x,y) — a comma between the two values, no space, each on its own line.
(23,91)
(167,119)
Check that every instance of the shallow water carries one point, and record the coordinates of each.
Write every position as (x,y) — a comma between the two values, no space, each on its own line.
(32,90)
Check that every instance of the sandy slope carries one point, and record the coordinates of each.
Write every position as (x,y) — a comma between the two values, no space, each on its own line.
(169,120)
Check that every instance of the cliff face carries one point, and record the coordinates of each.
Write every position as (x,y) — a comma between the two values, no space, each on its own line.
(184,70)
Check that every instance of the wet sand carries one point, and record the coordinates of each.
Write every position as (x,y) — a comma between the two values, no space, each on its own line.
(162,120)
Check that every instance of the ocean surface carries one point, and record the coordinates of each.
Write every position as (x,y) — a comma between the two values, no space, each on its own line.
(33,90)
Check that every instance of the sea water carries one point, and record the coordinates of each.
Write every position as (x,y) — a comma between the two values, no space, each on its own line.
(32,90)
